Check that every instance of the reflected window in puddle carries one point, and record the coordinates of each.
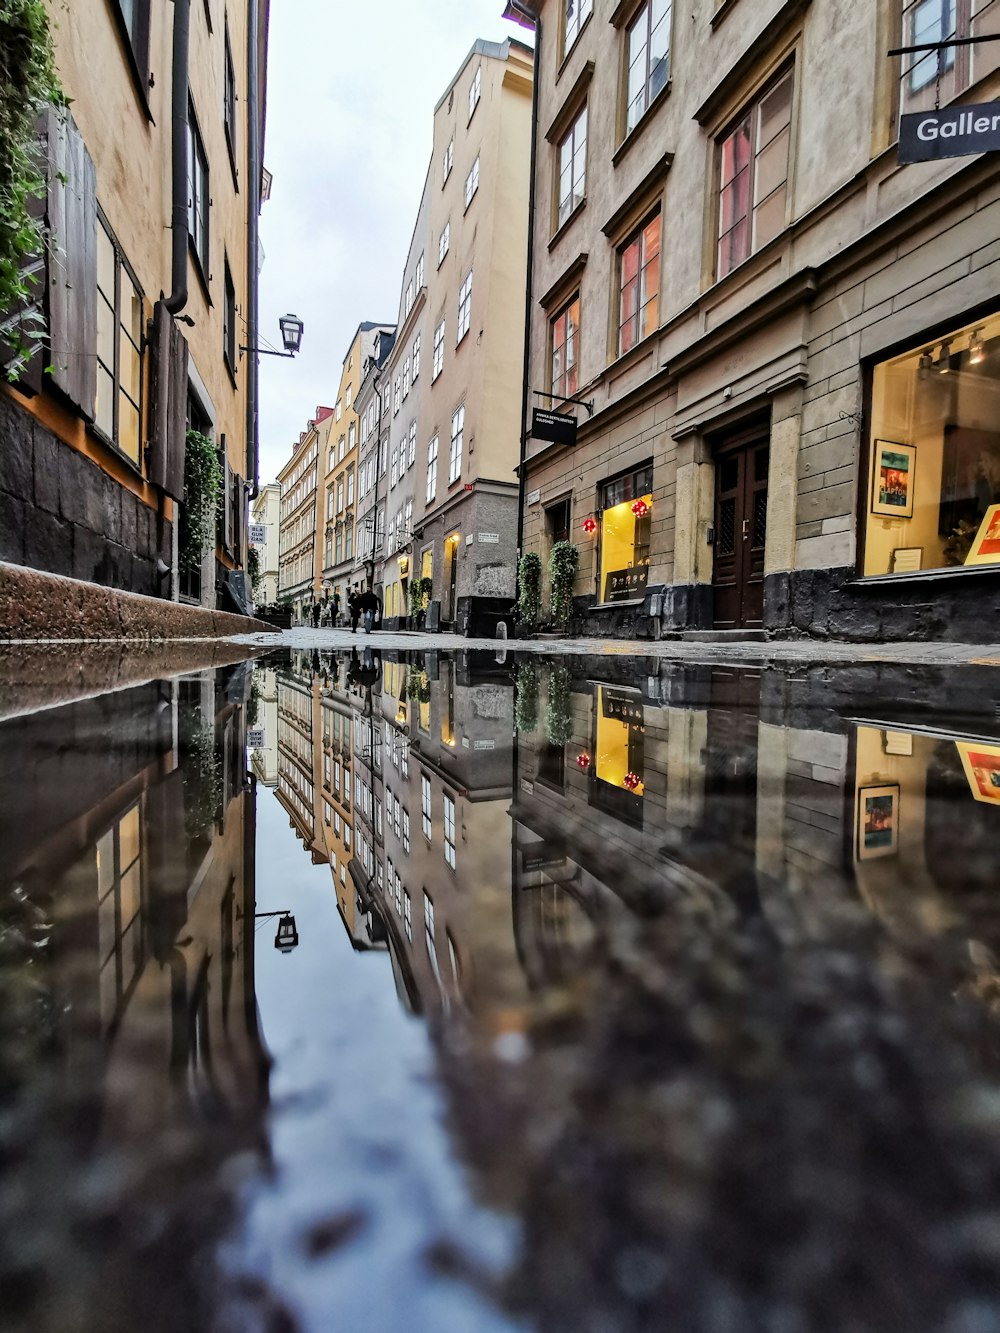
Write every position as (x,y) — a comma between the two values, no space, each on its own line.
(617,775)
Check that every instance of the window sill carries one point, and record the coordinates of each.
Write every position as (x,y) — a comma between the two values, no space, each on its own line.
(119,453)
(564,226)
(611,606)
(637,129)
(461,340)
(923,576)
(635,353)
(568,54)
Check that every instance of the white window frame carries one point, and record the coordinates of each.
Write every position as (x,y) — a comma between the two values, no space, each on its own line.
(426,820)
(464,307)
(472,182)
(415,356)
(449,830)
(444,240)
(457,443)
(449,160)
(437,356)
(475,90)
(432,461)
(412,444)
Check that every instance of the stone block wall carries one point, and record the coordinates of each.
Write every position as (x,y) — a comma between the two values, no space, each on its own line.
(60,513)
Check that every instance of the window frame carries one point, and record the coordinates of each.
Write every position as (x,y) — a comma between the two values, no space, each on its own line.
(574,202)
(464,307)
(448,161)
(569,39)
(457,438)
(444,243)
(121,266)
(635,236)
(229,100)
(643,10)
(415,357)
(229,317)
(437,362)
(471,184)
(136,42)
(560,388)
(196,149)
(430,488)
(475,91)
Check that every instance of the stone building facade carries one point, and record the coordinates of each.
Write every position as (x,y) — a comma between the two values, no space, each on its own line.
(787,340)
(299,581)
(146,299)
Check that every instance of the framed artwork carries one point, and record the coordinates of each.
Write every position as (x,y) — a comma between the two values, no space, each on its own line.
(985,548)
(907,559)
(892,481)
(982,770)
(877,822)
(897,742)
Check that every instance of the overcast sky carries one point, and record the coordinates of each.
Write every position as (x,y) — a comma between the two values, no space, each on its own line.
(351,93)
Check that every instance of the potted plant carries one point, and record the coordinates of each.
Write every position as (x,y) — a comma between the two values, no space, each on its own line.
(529,578)
(563,561)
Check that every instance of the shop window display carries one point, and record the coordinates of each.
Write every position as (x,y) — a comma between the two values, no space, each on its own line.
(626,523)
(934,461)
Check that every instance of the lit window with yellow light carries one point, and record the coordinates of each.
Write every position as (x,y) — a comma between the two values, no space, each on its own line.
(617,778)
(626,524)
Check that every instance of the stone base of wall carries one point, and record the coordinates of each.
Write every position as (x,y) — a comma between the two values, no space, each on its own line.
(960,606)
(39,606)
(60,513)
(478,617)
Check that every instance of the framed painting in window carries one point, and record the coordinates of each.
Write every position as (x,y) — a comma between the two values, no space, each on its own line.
(877,822)
(892,481)
(985,548)
(982,769)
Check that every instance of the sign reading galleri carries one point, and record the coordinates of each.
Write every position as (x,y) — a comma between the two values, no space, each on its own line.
(955,131)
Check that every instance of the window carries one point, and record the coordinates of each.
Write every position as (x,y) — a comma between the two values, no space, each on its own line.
(119,338)
(753,176)
(406,830)
(349,392)
(437,361)
(229,320)
(415,356)
(449,831)
(464,307)
(443,242)
(341,448)
(930,78)
(432,467)
(340,497)
(338,410)
(425,805)
(457,434)
(625,532)
(350,488)
(472,182)
(449,158)
(934,468)
(573,167)
(419,277)
(229,96)
(412,445)
(329,459)
(329,503)
(392,467)
(197,192)
(648,47)
(408,915)
(475,90)
(351,436)
(406,377)
(576,13)
(408,299)
(565,338)
(135,16)
(639,285)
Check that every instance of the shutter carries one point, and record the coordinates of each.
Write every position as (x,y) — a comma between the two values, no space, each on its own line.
(72,293)
(168,418)
(239,503)
(227,492)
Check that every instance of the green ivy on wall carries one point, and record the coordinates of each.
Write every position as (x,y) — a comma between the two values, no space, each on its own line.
(562,573)
(202,486)
(529,603)
(28,83)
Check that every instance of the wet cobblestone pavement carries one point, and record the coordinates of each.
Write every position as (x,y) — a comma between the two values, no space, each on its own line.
(370,986)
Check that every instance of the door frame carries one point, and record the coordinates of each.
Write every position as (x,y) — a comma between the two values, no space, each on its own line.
(741,437)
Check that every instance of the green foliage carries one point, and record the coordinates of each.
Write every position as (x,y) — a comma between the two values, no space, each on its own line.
(253,566)
(562,574)
(526,705)
(28,83)
(418,686)
(202,487)
(416,595)
(426,588)
(529,603)
(558,716)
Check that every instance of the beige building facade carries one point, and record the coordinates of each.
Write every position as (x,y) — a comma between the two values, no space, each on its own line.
(786,340)
(266,510)
(299,577)
(472,314)
(150,293)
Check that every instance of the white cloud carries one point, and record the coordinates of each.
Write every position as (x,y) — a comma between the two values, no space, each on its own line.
(351,93)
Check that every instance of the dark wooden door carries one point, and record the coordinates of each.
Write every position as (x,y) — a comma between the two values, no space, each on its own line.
(740,533)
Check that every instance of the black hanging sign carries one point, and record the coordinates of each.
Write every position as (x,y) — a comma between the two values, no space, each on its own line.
(954,131)
(553,426)
(624,585)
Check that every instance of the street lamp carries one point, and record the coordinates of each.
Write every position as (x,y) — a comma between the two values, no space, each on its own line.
(291,335)
(287,936)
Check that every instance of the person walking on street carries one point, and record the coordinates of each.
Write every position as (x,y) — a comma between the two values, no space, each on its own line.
(354,606)
(336,609)
(316,614)
(370,608)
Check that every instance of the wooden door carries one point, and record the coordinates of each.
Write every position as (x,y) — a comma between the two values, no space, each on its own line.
(740,533)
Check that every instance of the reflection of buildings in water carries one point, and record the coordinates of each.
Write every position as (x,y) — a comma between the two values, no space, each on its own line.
(264,757)
(129,837)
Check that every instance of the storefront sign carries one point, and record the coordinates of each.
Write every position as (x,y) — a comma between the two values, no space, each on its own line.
(621,585)
(490,538)
(257,534)
(621,708)
(553,426)
(954,131)
(255,738)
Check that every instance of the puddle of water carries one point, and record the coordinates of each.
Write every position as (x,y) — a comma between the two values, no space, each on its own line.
(480,991)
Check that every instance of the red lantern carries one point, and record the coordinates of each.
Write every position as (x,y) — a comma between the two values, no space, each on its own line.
(631,781)
(640,508)
(583,760)
(590,526)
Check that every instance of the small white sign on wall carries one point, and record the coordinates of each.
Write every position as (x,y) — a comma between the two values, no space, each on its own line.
(491,538)
(534,497)
(257,534)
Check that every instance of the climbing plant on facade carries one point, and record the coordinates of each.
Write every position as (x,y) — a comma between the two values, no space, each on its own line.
(529,602)
(202,486)
(28,83)
(562,574)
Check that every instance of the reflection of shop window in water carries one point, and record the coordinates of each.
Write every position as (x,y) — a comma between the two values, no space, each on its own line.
(626,525)
(617,772)
(982,769)
(934,472)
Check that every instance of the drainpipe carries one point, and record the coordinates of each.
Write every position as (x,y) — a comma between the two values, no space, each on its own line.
(531,20)
(177,299)
(253,226)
